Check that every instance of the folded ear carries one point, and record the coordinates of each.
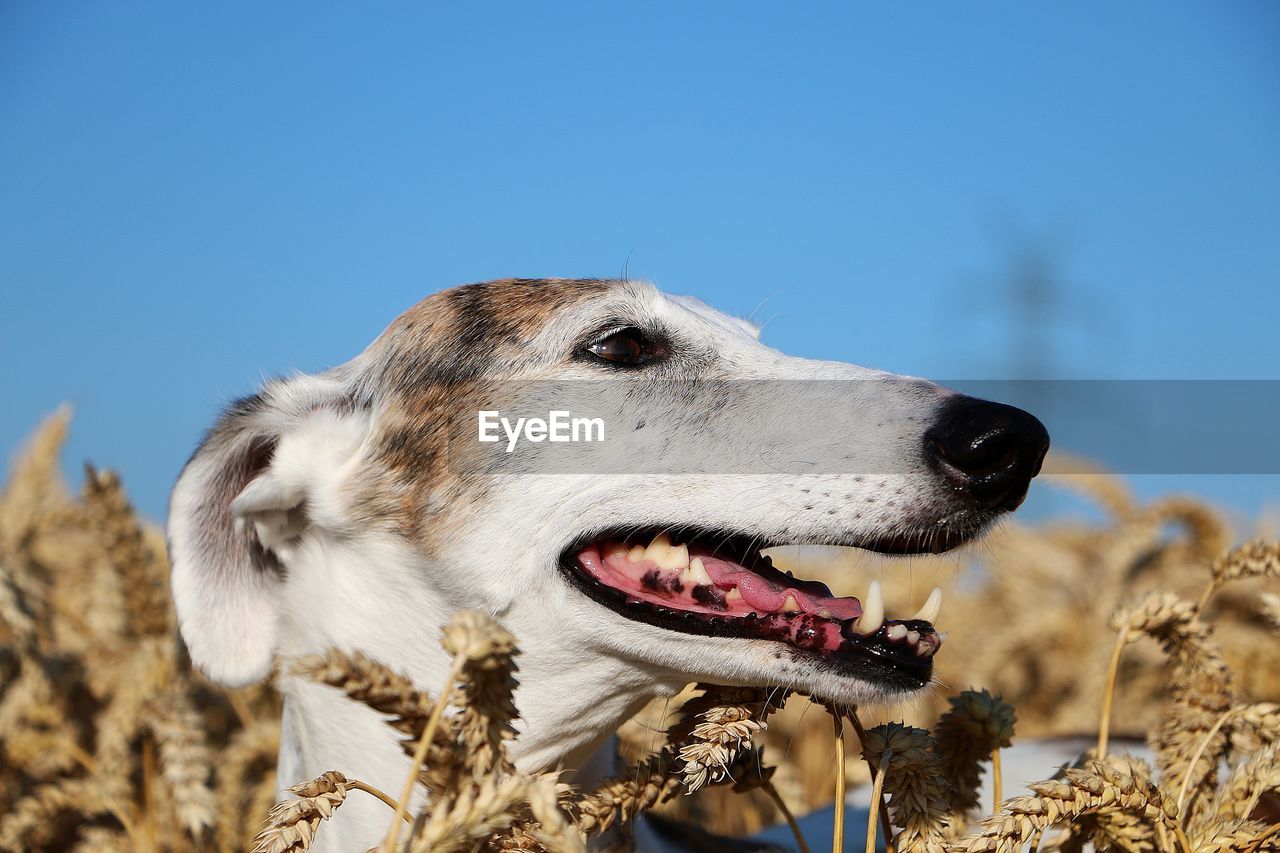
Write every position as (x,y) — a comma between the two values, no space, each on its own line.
(230,521)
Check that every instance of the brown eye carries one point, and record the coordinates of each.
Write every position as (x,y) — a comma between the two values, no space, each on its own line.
(627,348)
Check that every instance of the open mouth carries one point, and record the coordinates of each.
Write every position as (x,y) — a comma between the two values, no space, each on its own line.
(723,586)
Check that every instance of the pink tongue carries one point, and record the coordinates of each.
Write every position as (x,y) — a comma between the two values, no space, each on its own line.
(768,596)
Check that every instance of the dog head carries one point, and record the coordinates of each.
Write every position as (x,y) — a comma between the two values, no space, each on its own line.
(358,507)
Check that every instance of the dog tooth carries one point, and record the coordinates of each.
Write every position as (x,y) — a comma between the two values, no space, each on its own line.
(932,606)
(924,650)
(696,572)
(872,610)
(731,595)
(657,550)
(897,632)
(679,556)
(790,605)
(666,555)
(913,637)
(636,554)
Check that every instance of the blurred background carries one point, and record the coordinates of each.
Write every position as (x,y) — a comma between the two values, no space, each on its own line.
(194,198)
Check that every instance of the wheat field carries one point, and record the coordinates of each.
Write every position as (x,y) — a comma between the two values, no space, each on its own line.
(1158,620)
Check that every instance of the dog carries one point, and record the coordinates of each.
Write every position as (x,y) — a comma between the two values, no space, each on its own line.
(358,508)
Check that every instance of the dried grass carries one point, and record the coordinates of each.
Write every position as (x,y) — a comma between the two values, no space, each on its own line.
(108,738)
(106,733)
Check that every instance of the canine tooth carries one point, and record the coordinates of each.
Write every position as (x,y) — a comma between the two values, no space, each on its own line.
(733,595)
(872,610)
(932,606)
(658,548)
(790,605)
(897,632)
(913,637)
(923,650)
(636,554)
(697,573)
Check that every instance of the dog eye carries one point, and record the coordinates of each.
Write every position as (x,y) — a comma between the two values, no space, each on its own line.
(626,347)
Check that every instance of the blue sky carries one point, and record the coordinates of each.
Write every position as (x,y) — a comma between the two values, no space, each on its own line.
(196,196)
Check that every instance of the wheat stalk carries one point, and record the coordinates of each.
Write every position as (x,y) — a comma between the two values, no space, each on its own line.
(1254,725)
(393,694)
(1188,741)
(185,760)
(30,818)
(914,783)
(291,824)
(101,839)
(1095,788)
(1269,605)
(143,578)
(1249,780)
(704,742)
(721,732)
(554,829)
(1253,559)
(252,753)
(473,814)
(975,728)
(487,652)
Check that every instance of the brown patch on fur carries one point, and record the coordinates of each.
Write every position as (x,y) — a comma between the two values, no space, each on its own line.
(430,372)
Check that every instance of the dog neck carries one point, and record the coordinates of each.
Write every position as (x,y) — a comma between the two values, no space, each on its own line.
(369,596)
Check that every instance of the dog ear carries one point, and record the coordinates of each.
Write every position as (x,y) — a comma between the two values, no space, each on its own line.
(232,517)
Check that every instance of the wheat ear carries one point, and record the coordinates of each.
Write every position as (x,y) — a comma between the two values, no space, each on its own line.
(913,780)
(711,730)
(487,652)
(975,728)
(1092,789)
(291,825)
(1186,741)
(1249,781)
(391,693)
(1257,558)
(459,821)
(554,830)
(1253,726)
(185,759)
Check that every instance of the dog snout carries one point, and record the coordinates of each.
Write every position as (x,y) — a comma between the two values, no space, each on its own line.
(988,451)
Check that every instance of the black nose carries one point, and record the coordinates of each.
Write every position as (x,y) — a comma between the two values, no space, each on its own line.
(988,450)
